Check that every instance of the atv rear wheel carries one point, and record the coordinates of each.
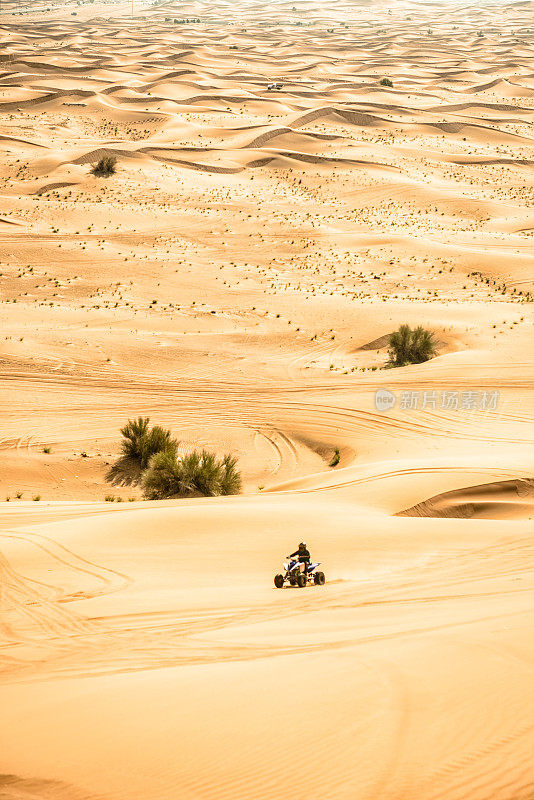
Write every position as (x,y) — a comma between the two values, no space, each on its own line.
(319,578)
(278,581)
(301,579)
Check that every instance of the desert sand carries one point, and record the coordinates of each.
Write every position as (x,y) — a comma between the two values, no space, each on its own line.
(237,280)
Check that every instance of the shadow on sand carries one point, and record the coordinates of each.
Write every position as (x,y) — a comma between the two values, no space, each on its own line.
(124,472)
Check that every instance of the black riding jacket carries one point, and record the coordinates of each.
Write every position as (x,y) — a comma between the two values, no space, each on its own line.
(303,555)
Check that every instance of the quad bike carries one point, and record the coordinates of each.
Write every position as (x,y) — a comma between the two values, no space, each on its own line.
(295,575)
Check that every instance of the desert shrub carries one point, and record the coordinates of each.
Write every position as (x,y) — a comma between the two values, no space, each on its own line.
(386,82)
(141,442)
(197,473)
(230,475)
(411,346)
(201,472)
(336,458)
(163,478)
(106,166)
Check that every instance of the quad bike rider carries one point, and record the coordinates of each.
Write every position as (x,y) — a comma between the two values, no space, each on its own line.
(299,571)
(304,558)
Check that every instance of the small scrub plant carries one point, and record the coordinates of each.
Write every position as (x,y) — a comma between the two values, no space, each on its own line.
(46,450)
(386,82)
(152,452)
(230,480)
(109,498)
(105,167)
(18,495)
(36,498)
(141,442)
(411,346)
(198,473)
(334,461)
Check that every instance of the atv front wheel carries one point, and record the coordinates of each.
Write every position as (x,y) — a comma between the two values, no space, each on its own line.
(301,579)
(278,581)
(319,578)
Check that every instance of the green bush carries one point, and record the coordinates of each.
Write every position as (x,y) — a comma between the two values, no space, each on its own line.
(386,82)
(230,475)
(336,458)
(197,473)
(141,442)
(106,166)
(411,346)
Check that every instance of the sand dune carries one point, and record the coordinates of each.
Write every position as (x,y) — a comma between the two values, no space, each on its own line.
(237,279)
(181,684)
(503,500)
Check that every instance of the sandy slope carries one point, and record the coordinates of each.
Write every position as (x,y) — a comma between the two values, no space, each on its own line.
(237,280)
(142,660)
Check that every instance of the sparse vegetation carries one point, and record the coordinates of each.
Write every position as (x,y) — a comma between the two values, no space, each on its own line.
(198,473)
(36,498)
(308,277)
(141,442)
(105,167)
(150,457)
(334,461)
(411,346)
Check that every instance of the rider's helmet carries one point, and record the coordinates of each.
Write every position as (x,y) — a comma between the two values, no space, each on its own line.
(302,545)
